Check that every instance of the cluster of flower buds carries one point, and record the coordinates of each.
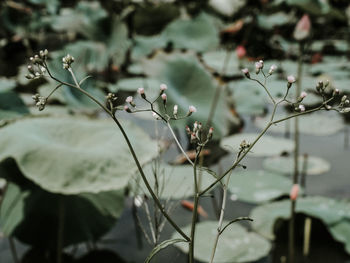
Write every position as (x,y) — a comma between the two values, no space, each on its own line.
(344,104)
(320,87)
(35,71)
(244,146)
(67,61)
(196,133)
(40,101)
(41,58)
(37,68)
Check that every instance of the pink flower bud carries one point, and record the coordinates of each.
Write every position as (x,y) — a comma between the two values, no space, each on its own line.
(241,51)
(192,109)
(246,72)
(127,109)
(164,96)
(294,192)
(291,79)
(188,130)
(272,69)
(163,87)
(259,65)
(141,91)
(303,28)
(301,108)
(303,95)
(129,99)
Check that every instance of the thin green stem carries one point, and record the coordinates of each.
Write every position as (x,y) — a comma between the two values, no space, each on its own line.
(143,176)
(267,91)
(195,208)
(179,145)
(296,159)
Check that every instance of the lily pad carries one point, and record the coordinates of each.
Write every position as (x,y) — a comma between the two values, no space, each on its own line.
(258,186)
(285,165)
(83,19)
(227,7)
(215,60)
(271,21)
(236,244)
(266,146)
(330,211)
(151,86)
(144,45)
(175,182)
(71,155)
(7,84)
(11,105)
(190,84)
(341,233)
(198,33)
(320,124)
(31,215)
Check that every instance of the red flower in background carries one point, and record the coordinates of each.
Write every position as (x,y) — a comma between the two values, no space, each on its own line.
(241,51)
(303,28)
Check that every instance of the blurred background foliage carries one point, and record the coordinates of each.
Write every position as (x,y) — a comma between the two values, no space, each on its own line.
(195,47)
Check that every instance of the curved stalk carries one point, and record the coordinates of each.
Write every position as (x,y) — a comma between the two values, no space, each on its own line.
(143,176)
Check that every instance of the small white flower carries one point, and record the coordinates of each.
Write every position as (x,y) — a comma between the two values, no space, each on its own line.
(175,109)
(129,99)
(141,91)
(192,109)
(303,95)
(245,71)
(301,108)
(259,65)
(272,69)
(164,97)
(291,79)
(163,87)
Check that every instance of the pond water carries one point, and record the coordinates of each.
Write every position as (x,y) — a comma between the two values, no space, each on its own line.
(132,246)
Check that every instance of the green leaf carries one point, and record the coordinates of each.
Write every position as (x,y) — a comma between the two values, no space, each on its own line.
(271,21)
(258,186)
(71,155)
(266,146)
(144,46)
(198,33)
(189,84)
(11,105)
(227,7)
(174,182)
(285,165)
(31,215)
(7,84)
(161,246)
(83,19)
(216,59)
(235,243)
(320,124)
(341,233)
(151,86)
(329,211)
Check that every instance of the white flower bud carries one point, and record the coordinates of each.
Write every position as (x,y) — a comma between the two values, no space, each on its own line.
(272,69)
(175,110)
